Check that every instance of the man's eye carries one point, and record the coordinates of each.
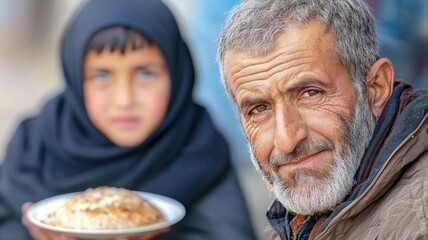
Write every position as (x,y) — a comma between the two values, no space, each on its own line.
(313,92)
(258,109)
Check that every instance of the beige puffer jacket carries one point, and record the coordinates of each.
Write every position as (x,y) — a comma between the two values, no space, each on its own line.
(395,205)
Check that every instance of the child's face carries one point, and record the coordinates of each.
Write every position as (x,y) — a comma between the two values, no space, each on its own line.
(126,95)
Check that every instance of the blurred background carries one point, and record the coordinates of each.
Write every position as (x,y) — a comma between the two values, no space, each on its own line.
(30,71)
(402,28)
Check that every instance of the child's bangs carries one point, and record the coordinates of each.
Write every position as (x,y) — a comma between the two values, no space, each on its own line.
(119,39)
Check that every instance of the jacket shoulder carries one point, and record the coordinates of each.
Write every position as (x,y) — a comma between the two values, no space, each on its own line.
(402,212)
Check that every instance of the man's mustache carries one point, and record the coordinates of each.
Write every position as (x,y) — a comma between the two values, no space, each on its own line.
(303,149)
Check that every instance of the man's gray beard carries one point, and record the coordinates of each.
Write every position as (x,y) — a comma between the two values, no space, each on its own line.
(312,195)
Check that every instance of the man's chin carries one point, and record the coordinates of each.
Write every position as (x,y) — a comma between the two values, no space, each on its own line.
(307,197)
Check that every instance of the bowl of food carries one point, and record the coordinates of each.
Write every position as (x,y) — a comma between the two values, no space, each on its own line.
(105,212)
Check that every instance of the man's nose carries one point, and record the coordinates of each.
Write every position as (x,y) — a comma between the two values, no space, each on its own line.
(290,129)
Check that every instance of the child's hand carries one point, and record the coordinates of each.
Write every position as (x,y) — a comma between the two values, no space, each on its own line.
(42,234)
(39,233)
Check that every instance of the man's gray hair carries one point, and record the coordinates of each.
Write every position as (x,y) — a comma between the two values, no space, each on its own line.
(253,26)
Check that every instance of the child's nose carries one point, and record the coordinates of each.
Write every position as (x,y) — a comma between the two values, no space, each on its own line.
(123,95)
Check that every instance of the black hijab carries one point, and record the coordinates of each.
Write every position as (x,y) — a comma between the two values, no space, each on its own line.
(60,151)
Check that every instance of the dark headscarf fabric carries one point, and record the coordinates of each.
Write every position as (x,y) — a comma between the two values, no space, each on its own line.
(60,151)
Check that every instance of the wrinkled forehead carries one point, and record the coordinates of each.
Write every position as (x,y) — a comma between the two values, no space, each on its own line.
(310,38)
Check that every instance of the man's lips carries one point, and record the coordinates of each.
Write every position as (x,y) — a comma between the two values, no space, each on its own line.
(302,161)
(125,122)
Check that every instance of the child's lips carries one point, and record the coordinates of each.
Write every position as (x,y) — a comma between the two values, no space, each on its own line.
(125,122)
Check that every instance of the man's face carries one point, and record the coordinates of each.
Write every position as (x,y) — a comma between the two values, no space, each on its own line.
(297,107)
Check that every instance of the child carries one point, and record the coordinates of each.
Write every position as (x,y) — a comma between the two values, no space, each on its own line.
(126,118)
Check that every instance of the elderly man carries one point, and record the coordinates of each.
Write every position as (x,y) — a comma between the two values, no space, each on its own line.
(342,146)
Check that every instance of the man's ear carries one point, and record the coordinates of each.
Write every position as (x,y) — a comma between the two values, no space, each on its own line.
(380,83)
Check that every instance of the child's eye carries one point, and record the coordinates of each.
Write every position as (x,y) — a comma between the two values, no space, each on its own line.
(144,74)
(101,76)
